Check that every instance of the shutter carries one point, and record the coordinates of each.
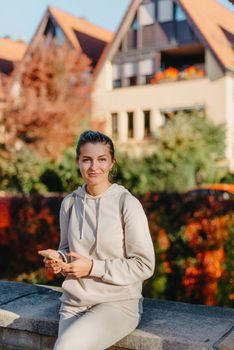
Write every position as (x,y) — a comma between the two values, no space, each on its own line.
(116,71)
(146,67)
(130,69)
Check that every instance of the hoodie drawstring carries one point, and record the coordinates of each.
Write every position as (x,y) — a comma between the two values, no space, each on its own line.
(98,220)
(82,227)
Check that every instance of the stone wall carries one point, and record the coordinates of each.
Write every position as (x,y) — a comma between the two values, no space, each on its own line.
(29,321)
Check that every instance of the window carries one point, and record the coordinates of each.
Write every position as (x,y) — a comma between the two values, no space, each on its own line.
(130,73)
(146,14)
(117,83)
(50,28)
(130,125)
(120,47)
(146,71)
(147,131)
(114,124)
(131,81)
(116,76)
(53,31)
(165,11)
(179,13)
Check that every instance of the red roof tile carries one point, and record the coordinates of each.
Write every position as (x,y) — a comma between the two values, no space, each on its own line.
(12,50)
(213,20)
(70,23)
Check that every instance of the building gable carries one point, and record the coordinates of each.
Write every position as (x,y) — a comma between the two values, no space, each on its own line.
(152,28)
(158,24)
(78,33)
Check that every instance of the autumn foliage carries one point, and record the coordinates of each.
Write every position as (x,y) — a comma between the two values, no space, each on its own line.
(49,99)
(193,243)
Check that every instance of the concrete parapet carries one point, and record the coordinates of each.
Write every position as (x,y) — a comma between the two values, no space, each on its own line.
(29,321)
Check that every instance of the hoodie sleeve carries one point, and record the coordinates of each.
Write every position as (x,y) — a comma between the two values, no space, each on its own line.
(64,215)
(139,263)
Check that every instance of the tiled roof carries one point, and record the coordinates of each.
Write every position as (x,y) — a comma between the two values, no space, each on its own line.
(12,50)
(70,23)
(215,24)
(1,91)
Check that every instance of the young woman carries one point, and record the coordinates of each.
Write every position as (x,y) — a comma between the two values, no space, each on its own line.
(105,252)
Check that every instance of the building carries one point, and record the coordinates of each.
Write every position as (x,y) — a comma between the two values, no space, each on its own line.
(11,52)
(2,98)
(62,28)
(65,28)
(77,32)
(167,56)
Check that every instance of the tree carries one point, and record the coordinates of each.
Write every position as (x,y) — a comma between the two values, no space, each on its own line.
(49,101)
(187,152)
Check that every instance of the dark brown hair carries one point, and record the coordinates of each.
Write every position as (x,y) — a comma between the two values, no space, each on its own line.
(90,136)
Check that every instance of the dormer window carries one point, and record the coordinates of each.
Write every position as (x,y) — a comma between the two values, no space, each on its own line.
(165,11)
(147,14)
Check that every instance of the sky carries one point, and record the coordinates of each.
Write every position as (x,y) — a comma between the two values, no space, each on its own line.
(19,18)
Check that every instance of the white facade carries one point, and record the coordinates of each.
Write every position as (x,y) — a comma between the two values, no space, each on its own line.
(214,92)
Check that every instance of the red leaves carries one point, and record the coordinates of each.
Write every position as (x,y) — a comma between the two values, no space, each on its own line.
(4,213)
(193,243)
(34,226)
(194,248)
(52,100)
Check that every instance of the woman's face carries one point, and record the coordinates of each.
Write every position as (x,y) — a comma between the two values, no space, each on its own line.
(95,163)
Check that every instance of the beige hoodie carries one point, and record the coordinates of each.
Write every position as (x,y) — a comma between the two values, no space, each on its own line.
(112,229)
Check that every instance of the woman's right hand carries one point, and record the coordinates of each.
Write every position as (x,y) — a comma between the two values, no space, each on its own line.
(55,266)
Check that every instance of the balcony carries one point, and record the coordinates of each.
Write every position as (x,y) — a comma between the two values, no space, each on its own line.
(173,74)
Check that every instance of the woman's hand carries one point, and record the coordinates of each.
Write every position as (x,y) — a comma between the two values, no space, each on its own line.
(54,265)
(80,267)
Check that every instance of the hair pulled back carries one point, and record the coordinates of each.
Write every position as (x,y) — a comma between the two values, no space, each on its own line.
(90,136)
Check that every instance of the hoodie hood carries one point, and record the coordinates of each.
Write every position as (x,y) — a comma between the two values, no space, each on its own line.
(113,189)
(83,195)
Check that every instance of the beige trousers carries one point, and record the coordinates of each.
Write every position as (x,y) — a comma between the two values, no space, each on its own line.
(97,327)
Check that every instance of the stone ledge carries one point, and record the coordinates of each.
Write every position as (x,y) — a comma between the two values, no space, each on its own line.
(228,342)
(29,320)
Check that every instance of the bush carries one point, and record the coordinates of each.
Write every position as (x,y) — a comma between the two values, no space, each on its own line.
(194,244)
(195,249)
(20,171)
(30,224)
(186,154)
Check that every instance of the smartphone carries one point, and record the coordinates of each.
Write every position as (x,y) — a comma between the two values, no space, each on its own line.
(48,256)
